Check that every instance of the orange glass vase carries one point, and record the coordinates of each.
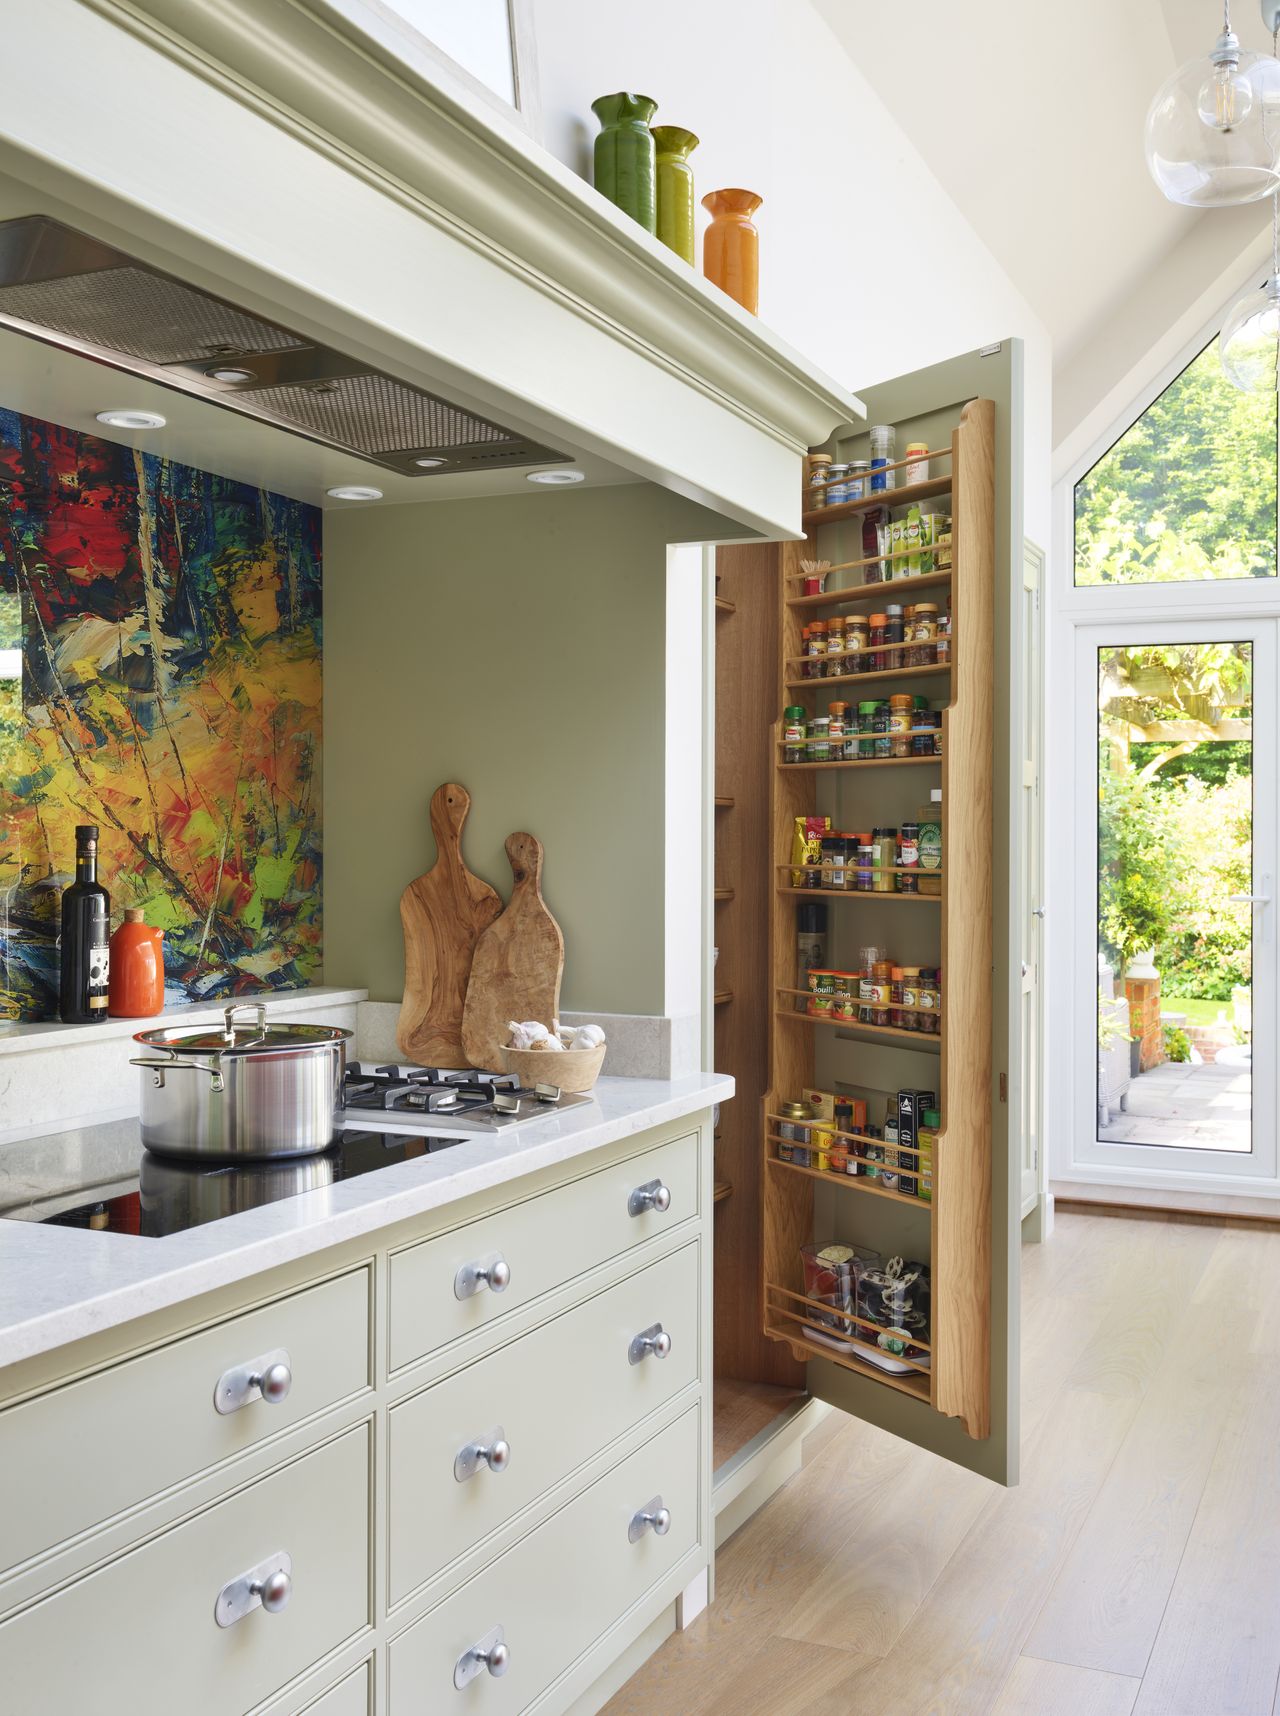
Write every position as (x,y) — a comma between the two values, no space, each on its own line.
(135,984)
(731,246)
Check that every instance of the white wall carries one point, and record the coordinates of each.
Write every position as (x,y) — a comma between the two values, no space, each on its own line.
(867,266)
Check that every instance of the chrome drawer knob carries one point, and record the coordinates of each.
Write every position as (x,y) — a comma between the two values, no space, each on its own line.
(273,1383)
(655,1341)
(493,1273)
(267,1586)
(274,1591)
(653,1196)
(490,1653)
(654,1517)
(268,1377)
(493,1451)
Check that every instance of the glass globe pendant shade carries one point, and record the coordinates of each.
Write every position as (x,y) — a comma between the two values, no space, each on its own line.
(1249,344)
(1213,131)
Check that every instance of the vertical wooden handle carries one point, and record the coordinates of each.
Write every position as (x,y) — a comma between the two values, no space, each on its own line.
(449,806)
(525,854)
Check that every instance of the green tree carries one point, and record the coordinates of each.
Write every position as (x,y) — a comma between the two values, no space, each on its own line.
(1188,492)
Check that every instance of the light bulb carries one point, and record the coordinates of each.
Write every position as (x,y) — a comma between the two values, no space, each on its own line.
(1213,131)
(1249,344)
(1226,96)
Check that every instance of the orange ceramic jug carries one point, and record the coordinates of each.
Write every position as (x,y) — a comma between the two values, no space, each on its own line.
(731,246)
(135,984)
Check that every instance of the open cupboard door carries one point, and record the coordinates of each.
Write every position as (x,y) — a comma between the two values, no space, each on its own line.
(946,1377)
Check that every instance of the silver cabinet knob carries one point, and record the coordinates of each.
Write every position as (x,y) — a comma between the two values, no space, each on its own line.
(274,1591)
(490,1653)
(493,1451)
(273,1383)
(268,1377)
(653,1196)
(267,1586)
(654,1517)
(655,1341)
(491,1272)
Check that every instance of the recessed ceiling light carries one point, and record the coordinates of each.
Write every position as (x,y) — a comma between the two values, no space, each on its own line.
(231,375)
(132,419)
(554,478)
(429,464)
(354,491)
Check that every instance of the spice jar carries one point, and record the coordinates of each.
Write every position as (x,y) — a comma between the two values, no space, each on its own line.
(877,626)
(845,1005)
(927,1143)
(924,632)
(885,841)
(910,997)
(819,739)
(900,711)
(794,1133)
(838,489)
(894,628)
(866,729)
(859,475)
(880,727)
(917,462)
(864,877)
(817,470)
(838,715)
(856,635)
(793,734)
(883,440)
(817,645)
(833,862)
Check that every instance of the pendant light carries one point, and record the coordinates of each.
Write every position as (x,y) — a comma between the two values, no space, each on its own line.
(1212,137)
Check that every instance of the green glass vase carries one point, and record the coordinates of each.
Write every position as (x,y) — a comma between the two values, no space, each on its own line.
(626,160)
(675,188)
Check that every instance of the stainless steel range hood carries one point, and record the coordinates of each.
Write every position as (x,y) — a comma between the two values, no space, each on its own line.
(67,289)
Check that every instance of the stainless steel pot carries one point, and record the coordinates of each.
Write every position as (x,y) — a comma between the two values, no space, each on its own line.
(245,1092)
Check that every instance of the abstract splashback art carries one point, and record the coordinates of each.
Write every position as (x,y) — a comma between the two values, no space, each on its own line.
(160,675)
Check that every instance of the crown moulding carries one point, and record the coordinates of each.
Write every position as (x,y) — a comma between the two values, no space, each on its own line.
(425,180)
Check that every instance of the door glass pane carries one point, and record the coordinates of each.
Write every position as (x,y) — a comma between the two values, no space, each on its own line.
(1188,492)
(1175,952)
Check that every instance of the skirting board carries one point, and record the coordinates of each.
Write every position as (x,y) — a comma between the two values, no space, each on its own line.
(759,1469)
(1068,1197)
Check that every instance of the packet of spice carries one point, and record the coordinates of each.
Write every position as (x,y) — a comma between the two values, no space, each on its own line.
(806,844)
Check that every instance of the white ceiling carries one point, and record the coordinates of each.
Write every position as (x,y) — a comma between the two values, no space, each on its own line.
(1031,116)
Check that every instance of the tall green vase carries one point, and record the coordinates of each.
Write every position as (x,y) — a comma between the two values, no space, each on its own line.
(626,160)
(675,188)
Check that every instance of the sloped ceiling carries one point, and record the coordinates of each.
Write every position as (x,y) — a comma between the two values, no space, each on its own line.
(1031,118)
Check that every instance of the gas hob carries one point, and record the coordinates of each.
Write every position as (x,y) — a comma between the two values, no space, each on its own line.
(437,1098)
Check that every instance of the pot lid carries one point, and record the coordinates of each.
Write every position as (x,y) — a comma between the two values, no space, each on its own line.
(241,1037)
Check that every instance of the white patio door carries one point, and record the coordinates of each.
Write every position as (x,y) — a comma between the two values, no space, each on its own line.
(1174,804)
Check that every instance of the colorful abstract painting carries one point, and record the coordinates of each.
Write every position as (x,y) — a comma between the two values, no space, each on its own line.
(160,675)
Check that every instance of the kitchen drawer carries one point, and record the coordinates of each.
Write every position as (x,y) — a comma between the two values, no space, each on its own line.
(544,1242)
(560,1394)
(350,1697)
(85,1452)
(140,1633)
(557,1590)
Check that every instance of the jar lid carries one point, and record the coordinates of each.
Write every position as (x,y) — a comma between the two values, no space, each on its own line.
(925,608)
(794,712)
(900,700)
(917,447)
(893,610)
(896,974)
(796,1110)
(820,458)
(910,971)
(878,619)
(931,1117)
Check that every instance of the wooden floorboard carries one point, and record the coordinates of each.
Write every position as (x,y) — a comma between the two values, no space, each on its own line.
(1135,1572)
(742,1410)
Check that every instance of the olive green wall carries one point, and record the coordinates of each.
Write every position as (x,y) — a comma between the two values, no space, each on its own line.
(517,645)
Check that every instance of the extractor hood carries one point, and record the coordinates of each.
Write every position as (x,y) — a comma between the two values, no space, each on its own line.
(71,291)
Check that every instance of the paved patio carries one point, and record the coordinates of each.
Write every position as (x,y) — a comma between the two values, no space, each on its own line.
(1187,1107)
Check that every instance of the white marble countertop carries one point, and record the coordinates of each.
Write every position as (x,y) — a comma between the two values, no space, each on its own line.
(58,1284)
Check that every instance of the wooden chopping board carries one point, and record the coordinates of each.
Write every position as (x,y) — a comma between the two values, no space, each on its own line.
(443,913)
(518,963)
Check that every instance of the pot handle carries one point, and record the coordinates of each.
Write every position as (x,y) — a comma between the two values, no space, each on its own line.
(160,1068)
(228,1021)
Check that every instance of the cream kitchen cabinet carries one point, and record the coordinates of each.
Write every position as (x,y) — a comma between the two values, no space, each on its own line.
(335,1534)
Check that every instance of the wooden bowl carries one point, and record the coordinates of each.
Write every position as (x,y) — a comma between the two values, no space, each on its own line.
(574,1070)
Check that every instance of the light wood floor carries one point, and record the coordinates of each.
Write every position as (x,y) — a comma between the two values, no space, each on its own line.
(1134,1572)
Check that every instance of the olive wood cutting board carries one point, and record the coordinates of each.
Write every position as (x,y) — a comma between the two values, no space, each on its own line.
(443,913)
(518,963)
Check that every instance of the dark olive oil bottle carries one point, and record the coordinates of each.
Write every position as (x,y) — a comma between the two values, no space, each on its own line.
(86,927)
